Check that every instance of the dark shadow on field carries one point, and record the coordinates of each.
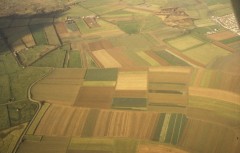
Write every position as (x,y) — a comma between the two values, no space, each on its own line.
(15,31)
(11,27)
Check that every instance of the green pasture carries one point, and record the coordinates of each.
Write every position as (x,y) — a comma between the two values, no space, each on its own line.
(21,81)
(5,90)
(53,59)
(8,62)
(130,27)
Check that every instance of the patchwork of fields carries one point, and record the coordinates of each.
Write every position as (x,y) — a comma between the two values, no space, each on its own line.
(85,122)
(118,76)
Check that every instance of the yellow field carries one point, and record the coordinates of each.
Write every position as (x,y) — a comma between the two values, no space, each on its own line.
(185,42)
(99,83)
(148,59)
(106,59)
(132,80)
(206,53)
(173,69)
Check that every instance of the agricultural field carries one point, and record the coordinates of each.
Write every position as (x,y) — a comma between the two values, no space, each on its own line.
(119,76)
(164,88)
(9,138)
(31,55)
(53,87)
(52,35)
(185,42)
(55,58)
(96,120)
(224,35)
(130,103)
(106,60)
(74,59)
(39,34)
(135,80)
(221,137)
(206,53)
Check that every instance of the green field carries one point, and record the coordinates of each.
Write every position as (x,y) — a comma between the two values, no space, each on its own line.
(72,27)
(8,63)
(90,123)
(21,81)
(129,103)
(130,27)
(39,34)
(169,128)
(55,58)
(97,144)
(171,59)
(231,40)
(74,59)
(148,59)
(4,118)
(5,91)
(206,53)
(102,75)
(21,112)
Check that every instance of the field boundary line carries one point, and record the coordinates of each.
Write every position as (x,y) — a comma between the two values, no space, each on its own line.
(35,115)
(182,58)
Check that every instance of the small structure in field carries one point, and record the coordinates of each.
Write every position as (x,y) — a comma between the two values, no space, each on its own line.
(91,21)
